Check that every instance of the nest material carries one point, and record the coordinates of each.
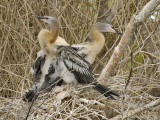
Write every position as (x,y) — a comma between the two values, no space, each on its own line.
(80,104)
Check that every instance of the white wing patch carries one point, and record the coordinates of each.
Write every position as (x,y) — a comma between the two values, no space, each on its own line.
(40,53)
(32,71)
(77,67)
(67,75)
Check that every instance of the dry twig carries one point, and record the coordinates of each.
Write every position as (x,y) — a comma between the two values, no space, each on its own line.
(137,110)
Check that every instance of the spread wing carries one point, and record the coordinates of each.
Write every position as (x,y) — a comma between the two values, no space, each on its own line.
(37,65)
(51,79)
(80,68)
(76,64)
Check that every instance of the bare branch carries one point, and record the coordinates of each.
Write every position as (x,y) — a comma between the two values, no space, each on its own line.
(138,110)
(117,52)
(147,10)
(106,13)
(130,29)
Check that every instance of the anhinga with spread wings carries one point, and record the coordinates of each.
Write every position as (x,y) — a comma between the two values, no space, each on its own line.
(88,50)
(40,68)
(65,65)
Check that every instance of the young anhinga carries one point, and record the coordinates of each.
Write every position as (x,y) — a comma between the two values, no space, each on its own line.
(40,68)
(90,50)
(66,65)
(41,55)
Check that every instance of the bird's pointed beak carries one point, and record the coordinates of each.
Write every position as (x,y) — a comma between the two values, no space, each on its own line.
(46,19)
(39,17)
(112,29)
(43,18)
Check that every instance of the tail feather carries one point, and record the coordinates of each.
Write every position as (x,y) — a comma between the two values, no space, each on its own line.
(105,91)
(30,96)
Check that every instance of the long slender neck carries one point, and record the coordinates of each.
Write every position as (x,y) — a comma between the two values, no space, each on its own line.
(47,39)
(54,28)
(98,40)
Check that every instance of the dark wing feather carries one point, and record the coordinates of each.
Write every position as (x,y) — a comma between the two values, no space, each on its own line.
(47,85)
(51,81)
(82,74)
(76,64)
(69,52)
(38,64)
(30,96)
(107,92)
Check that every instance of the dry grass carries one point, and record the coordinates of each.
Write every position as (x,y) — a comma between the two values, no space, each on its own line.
(19,44)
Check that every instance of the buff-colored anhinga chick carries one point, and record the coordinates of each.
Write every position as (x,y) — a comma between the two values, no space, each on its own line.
(65,65)
(51,35)
(40,68)
(90,50)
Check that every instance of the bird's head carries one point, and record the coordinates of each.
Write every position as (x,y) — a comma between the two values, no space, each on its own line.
(105,27)
(46,37)
(46,19)
(52,21)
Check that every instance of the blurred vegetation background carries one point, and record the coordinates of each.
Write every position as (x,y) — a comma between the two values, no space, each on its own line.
(19,44)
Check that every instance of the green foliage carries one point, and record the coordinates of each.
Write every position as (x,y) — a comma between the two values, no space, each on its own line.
(139,58)
(110,3)
(31,24)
